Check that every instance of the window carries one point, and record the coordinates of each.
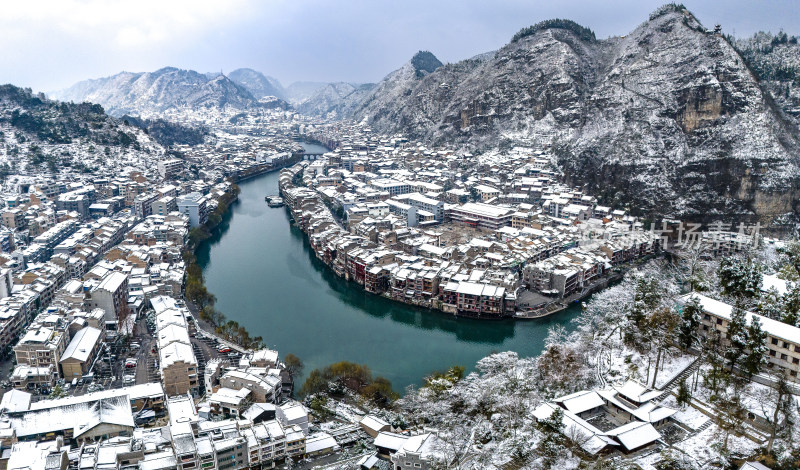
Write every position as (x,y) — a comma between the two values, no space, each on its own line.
(795,360)
(786,345)
(784,356)
(774,341)
(793,373)
(772,353)
(719,321)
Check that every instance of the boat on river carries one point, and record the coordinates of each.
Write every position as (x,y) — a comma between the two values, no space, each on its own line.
(274,201)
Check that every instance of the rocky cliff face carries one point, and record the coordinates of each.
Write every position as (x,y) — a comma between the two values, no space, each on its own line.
(668,119)
(153,92)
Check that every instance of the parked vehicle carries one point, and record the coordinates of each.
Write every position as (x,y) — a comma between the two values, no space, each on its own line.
(224,349)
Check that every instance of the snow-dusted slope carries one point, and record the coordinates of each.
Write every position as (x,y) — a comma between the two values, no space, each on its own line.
(335,100)
(258,84)
(668,119)
(299,92)
(776,61)
(153,92)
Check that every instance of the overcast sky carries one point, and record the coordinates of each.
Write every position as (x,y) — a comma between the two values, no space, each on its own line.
(51,44)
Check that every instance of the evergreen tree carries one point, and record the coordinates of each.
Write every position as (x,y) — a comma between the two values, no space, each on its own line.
(770,305)
(756,348)
(716,378)
(739,278)
(737,337)
(647,297)
(550,447)
(690,321)
(791,305)
(684,394)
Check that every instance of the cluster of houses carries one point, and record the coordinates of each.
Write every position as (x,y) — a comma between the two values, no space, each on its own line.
(87,294)
(103,430)
(783,340)
(622,418)
(384,219)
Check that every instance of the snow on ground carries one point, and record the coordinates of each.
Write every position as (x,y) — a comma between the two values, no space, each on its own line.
(348,413)
(689,417)
(672,366)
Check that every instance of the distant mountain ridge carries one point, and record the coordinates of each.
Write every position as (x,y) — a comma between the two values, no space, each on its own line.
(258,84)
(149,93)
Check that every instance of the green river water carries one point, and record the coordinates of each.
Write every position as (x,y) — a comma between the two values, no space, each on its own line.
(265,276)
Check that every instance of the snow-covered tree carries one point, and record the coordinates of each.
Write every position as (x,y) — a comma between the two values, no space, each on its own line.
(737,337)
(791,305)
(562,367)
(670,459)
(551,446)
(779,407)
(757,349)
(716,378)
(690,321)
(660,328)
(770,305)
(684,394)
(740,278)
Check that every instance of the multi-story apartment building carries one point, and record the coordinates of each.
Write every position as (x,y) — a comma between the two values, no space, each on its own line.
(263,388)
(481,215)
(41,347)
(170,167)
(194,206)
(111,295)
(143,204)
(783,340)
(178,366)
(165,205)
(177,361)
(14,219)
(424,203)
(391,186)
(80,352)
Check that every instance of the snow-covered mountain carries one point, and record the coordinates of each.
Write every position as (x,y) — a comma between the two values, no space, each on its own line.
(298,92)
(150,93)
(668,119)
(335,100)
(42,136)
(341,100)
(775,59)
(258,84)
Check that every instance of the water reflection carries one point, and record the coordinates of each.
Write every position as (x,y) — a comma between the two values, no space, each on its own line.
(265,276)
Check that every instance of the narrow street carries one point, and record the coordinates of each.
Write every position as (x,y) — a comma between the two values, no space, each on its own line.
(146,371)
